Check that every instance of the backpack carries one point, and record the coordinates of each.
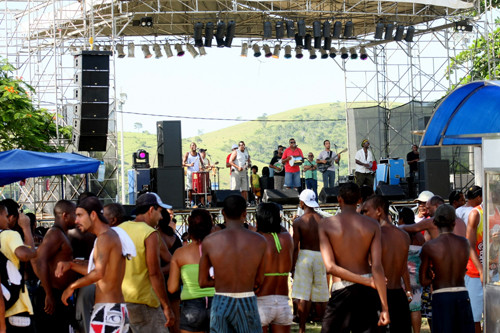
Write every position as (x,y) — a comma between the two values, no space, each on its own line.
(11,291)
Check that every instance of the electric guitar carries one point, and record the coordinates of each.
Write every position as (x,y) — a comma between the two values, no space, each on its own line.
(322,167)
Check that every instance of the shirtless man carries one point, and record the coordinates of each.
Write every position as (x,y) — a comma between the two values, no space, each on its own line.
(106,269)
(309,276)
(272,296)
(237,256)
(395,245)
(349,243)
(51,314)
(451,309)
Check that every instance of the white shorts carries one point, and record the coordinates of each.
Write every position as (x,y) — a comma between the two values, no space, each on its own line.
(475,289)
(239,180)
(274,310)
(189,180)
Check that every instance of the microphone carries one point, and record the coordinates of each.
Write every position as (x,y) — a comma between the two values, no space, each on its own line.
(335,146)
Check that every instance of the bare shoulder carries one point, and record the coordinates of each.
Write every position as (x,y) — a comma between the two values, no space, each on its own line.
(402,234)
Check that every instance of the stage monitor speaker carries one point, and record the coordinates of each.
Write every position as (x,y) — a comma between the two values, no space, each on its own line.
(282,197)
(390,192)
(329,195)
(219,196)
(168,183)
(434,176)
(169,143)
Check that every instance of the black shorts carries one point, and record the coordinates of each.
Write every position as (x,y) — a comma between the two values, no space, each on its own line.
(452,313)
(352,309)
(195,314)
(399,311)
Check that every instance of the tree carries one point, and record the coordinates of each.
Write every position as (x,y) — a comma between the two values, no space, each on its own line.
(23,125)
(138,126)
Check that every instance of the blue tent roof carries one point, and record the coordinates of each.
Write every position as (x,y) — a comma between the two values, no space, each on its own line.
(465,116)
(16,165)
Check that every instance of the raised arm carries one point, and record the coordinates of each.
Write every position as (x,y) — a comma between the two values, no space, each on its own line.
(417,227)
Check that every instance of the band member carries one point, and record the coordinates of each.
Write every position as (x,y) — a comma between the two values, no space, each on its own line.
(192,162)
(364,162)
(326,164)
(205,162)
(279,171)
(292,170)
(240,163)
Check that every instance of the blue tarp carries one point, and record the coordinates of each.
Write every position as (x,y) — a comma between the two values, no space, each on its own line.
(465,116)
(16,165)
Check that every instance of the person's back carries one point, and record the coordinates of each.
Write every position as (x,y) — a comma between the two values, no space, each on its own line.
(278,264)
(395,244)
(306,227)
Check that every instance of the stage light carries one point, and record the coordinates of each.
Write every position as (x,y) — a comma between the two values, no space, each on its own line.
(343,53)
(198,34)
(324,54)
(276,52)
(312,53)
(301,28)
(231,28)
(298,52)
(337,29)
(363,55)
(290,29)
(299,42)
(157,51)
(119,50)
(180,51)
(307,42)
(244,49)
(288,52)
(268,30)
(209,34)
(267,51)
(328,43)
(389,28)
(327,29)
(202,51)
(219,34)
(400,30)
(131,50)
(317,42)
(333,52)
(409,34)
(168,50)
(140,159)
(463,26)
(145,50)
(379,30)
(354,55)
(256,50)
(316,29)
(192,51)
(147,22)
(349,29)
(280,30)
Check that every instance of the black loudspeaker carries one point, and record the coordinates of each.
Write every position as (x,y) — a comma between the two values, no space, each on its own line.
(168,183)
(128,211)
(390,192)
(282,197)
(219,196)
(434,176)
(92,109)
(169,143)
(329,195)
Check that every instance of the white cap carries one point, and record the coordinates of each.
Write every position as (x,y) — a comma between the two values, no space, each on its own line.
(234,146)
(309,198)
(424,196)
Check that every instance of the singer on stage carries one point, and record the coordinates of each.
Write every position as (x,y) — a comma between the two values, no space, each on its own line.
(240,163)
(364,174)
(192,162)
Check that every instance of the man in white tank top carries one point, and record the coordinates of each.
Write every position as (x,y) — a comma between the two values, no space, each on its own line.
(192,162)
(240,163)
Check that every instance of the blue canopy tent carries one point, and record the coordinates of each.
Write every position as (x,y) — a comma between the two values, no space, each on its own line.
(16,165)
(465,116)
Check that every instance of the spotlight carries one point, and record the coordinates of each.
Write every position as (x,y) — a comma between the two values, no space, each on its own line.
(363,54)
(157,51)
(298,52)
(333,52)
(324,55)
(268,30)
(312,53)
(198,33)
(276,52)
(307,42)
(145,50)
(267,51)
(327,29)
(354,55)
(192,51)
(343,53)
(349,29)
(301,25)
(231,27)
(209,34)
(379,30)
(219,34)
(337,29)
(244,49)
(288,52)
(328,43)
(280,30)
(400,30)
(202,51)
(388,31)
(409,34)
(131,50)
(299,41)
(147,22)
(317,29)
(119,50)
(256,50)
(290,29)
(180,51)
(140,159)
(168,50)
(463,26)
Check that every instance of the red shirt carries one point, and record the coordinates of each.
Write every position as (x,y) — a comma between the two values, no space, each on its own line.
(295,153)
(227,161)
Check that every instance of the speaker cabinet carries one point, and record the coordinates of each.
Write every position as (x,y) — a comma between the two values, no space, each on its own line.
(390,192)
(434,176)
(219,196)
(329,195)
(282,197)
(168,183)
(169,143)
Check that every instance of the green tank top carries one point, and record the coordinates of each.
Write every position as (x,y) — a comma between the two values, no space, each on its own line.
(191,288)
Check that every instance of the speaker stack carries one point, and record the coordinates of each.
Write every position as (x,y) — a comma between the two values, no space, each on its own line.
(282,197)
(92,109)
(329,195)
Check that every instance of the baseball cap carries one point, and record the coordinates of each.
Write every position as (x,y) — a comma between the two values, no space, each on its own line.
(235,146)
(309,198)
(150,199)
(202,150)
(474,192)
(280,146)
(424,196)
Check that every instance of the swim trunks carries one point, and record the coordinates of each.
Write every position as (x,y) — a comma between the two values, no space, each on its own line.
(413,269)
(452,311)
(274,310)
(426,308)
(309,281)
(109,317)
(235,312)
(399,311)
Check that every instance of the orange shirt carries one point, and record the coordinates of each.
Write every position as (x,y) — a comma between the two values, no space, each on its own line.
(471,268)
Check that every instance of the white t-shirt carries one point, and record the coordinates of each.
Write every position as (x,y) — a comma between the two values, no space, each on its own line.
(326,154)
(463,212)
(360,156)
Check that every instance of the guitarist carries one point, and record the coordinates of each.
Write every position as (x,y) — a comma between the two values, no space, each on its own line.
(364,162)
(326,164)
(279,169)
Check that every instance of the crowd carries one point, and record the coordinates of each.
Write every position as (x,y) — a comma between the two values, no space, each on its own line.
(96,270)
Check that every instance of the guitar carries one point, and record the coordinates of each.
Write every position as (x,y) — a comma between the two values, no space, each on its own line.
(322,167)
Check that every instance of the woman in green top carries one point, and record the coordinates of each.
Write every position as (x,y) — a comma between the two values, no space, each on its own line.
(195,301)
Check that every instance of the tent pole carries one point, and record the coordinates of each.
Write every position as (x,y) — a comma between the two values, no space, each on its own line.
(62,187)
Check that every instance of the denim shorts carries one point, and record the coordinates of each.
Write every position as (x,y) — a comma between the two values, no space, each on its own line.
(292,179)
(195,314)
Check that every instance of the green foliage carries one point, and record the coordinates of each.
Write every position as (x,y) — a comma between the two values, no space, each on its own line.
(23,125)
